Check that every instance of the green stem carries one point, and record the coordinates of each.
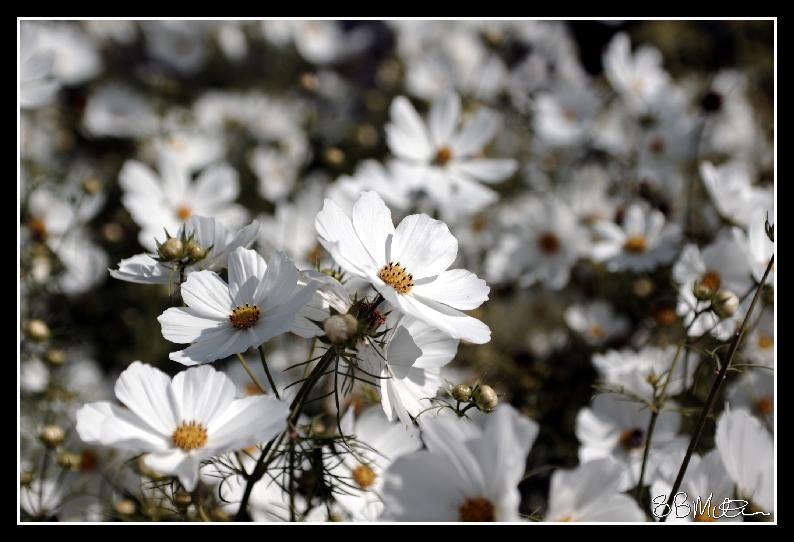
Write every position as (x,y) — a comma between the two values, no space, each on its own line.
(251,373)
(267,371)
(649,435)
(712,397)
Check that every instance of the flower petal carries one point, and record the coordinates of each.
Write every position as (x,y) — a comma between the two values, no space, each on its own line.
(207,294)
(457,288)
(146,392)
(373,224)
(424,246)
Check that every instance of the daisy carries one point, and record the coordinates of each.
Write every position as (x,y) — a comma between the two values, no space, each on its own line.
(731,190)
(260,302)
(591,492)
(469,472)
(170,199)
(209,234)
(546,242)
(747,452)
(442,159)
(642,243)
(721,265)
(179,423)
(640,78)
(596,322)
(407,265)
(615,427)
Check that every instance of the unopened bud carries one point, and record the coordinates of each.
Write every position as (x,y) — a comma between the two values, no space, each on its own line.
(340,328)
(52,435)
(461,393)
(182,499)
(332,273)
(125,507)
(725,303)
(702,290)
(195,251)
(38,330)
(334,156)
(69,460)
(91,185)
(486,398)
(172,249)
(26,478)
(55,356)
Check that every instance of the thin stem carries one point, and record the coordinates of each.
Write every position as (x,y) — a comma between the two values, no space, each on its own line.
(715,388)
(649,435)
(251,373)
(267,371)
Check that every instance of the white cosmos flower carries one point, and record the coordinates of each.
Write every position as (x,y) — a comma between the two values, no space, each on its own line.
(319,42)
(407,264)
(733,194)
(615,426)
(114,110)
(747,451)
(596,322)
(37,81)
(544,240)
(179,423)
(166,201)
(444,160)
(209,233)
(260,302)
(42,498)
(640,78)
(757,246)
(759,344)
(371,175)
(642,243)
(591,492)
(383,442)
(469,472)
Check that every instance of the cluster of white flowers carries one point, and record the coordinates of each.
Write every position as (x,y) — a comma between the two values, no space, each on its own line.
(310,210)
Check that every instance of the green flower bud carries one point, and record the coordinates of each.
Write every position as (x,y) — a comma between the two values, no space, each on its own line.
(461,393)
(725,303)
(172,249)
(485,397)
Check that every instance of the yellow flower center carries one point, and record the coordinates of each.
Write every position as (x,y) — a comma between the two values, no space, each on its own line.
(244,316)
(596,331)
(315,253)
(189,436)
(396,276)
(765,342)
(443,155)
(477,509)
(364,476)
(763,405)
(635,243)
(631,439)
(183,212)
(549,243)
(711,280)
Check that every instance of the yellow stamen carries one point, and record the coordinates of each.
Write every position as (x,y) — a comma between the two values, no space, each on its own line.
(189,436)
(364,476)
(244,316)
(635,243)
(443,155)
(396,276)
(477,509)
(184,212)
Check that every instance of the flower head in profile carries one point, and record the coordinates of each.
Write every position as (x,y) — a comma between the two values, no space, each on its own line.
(180,422)
(407,265)
(260,302)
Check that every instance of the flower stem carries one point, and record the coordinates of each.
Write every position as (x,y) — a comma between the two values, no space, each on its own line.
(737,337)
(251,374)
(648,437)
(267,371)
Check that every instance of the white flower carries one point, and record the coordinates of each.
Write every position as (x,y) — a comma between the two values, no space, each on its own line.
(733,194)
(113,110)
(757,246)
(407,264)
(591,492)
(260,302)
(442,160)
(755,391)
(640,79)
(543,242)
(614,426)
(721,265)
(371,175)
(467,473)
(747,452)
(642,243)
(42,498)
(179,423)
(563,117)
(209,233)
(76,56)
(382,443)
(34,377)
(179,44)
(319,42)
(596,322)
(759,344)
(167,201)
(37,81)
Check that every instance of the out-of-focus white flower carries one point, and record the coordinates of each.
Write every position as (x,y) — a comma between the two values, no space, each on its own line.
(643,242)
(754,391)
(747,452)
(721,265)
(208,233)
(442,159)
(319,42)
(166,201)
(544,240)
(591,492)
(33,376)
(181,45)
(190,145)
(640,78)
(469,472)
(371,175)
(231,39)
(76,57)
(407,265)
(757,246)
(113,110)
(759,344)
(42,498)
(636,371)
(276,172)
(733,194)
(123,32)
(615,427)
(181,422)
(37,81)
(563,116)
(596,322)
(260,302)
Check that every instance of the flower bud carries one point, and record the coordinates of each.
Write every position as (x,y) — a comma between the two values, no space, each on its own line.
(461,393)
(340,328)
(172,249)
(38,330)
(69,460)
(26,478)
(182,498)
(125,507)
(702,290)
(485,397)
(52,435)
(91,185)
(195,251)
(725,303)
(55,356)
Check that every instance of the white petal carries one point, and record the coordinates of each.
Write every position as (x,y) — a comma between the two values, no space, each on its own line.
(108,425)
(373,225)
(424,246)
(457,288)
(247,421)
(487,169)
(146,392)
(444,115)
(182,325)
(474,136)
(202,393)
(340,240)
(453,322)
(278,284)
(177,463)
(207,294)
(246,271)
(406,135)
